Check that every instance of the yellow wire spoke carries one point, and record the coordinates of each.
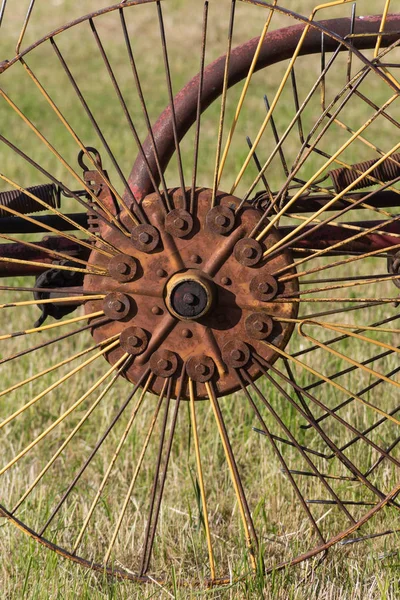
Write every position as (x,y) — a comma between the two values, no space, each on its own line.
(25,25)
(52,300)
(342,356)
(226,445)
(53,367)
(57,383)
(281,87)
(8,336)
(61,159)
(244,92)
(334,384)
(384,300)
(379,41)
(223,106)
(81,145)
(138,466)
(382,28)
(340,286)
(201,478)
(321,170)
(120,368)
(337,263)
(325,324)
(344,328)
(51,252)
(347,225)
(113,460)
(289,128)
(35,263)
(52,229)
(62,417)
(316,253)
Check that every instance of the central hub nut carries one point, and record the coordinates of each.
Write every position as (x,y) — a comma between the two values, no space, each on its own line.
(189,295)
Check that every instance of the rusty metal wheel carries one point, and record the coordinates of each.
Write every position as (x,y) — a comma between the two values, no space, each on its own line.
(236,324)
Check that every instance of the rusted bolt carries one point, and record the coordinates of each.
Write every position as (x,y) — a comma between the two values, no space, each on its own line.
(186,333)
(264,287)
(145,237)
(164,363)
(225,281)
(195,258)
(236,354)
(178,222)
(248,252)
(259,326)
(156,310)
(122,268)
(200,368)
(161,273)
(134,340)
(116,306)
(220,219)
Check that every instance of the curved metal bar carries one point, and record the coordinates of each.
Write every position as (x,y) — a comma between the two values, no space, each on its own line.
(278,46)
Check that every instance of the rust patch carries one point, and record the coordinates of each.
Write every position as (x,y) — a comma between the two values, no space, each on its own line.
(196,342)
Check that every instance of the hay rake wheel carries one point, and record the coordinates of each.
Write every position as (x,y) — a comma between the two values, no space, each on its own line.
(265,302)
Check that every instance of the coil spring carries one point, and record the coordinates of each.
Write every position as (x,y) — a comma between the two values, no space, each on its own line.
(386,171)
(24,204)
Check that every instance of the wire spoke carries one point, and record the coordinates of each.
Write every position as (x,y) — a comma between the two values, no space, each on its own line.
(135,475)
(297,446)
(93,453)
(150,540)
(120,365)
(58,421)
(248,525)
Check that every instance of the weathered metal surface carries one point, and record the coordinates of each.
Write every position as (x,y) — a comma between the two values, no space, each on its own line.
(171,323)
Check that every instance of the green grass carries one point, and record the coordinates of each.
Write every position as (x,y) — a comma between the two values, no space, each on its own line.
(368,570)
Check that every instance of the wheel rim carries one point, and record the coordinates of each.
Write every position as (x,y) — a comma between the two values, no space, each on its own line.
(184,321)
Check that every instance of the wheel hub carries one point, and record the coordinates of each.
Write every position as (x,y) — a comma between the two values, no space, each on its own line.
(192,292)
(190,295)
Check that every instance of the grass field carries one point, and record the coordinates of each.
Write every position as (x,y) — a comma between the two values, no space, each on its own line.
(365,571)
